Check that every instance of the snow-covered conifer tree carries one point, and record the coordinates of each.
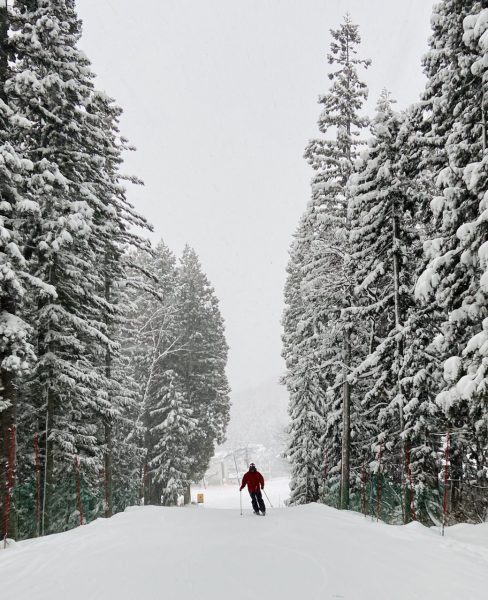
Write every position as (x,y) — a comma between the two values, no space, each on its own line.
(305,387)
(18,213)
(202,364)
(325,330)
(114,221)
(172,427)
(454,277)
(384,248)
(83,216)
(151,345)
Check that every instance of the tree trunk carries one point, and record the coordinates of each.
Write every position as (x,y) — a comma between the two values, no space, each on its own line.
(346,388)
(7,455)
(108,462)
(346,428)
(483,123)
(108,468)
(7,379)
(51,406)
(456,475)
(406,496)
(48,464)
(4,51)
(187,495)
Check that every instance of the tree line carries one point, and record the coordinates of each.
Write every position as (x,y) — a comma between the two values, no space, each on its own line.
(385,325)
(112,352)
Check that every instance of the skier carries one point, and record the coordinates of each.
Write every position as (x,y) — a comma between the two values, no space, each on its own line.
(255,483)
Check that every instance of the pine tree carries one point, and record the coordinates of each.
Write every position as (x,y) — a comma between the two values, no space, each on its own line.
(202,364)
(151,346)
(114,220)
(305,386)
(307,425)
(384,247)
(453,279)
(16,351)
(173,427)
(422,373)
(78,240)
(323,235)
(176,346)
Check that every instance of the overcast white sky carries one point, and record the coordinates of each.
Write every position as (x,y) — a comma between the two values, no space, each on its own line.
(220,98)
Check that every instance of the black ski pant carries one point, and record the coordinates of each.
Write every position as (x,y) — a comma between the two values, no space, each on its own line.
(257,501)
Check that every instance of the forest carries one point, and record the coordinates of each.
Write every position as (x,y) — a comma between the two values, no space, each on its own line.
(386,321)
(112,351)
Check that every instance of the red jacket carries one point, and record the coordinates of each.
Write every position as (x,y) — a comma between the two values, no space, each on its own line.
(254,481)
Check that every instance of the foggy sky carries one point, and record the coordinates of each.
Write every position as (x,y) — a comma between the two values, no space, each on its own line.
(220,98)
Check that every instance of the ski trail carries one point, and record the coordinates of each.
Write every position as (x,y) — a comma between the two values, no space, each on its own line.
(191,553)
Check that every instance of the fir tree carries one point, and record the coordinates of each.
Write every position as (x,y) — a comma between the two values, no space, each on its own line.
(173,427)
(305,386)
(77,244)
(16,351)
(202,364)
(384,246)
(307,426)
(453,278)
(324,232)
(152,343)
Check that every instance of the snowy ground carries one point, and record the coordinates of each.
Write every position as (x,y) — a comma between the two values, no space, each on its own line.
(196,553)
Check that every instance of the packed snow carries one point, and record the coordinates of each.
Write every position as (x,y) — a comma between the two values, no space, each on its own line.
(204,553)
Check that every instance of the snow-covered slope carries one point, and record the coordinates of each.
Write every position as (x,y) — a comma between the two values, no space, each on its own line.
(193,553)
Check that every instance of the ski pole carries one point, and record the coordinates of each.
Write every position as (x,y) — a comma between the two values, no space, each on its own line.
(268,499)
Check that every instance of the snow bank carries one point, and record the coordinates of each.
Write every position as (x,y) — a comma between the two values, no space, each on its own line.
(193,553)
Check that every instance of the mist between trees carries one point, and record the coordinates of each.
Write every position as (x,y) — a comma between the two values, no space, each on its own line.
(112,353)
(385,327)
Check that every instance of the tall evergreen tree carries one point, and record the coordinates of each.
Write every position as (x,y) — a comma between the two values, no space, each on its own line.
(123,376)
(114,220)
(202,365)
(174,427)
(422,373)
(453,279)
(152,344)
(177,348)
(384,247)
(77,245)
(302,354)
(324,232)
(16,351)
